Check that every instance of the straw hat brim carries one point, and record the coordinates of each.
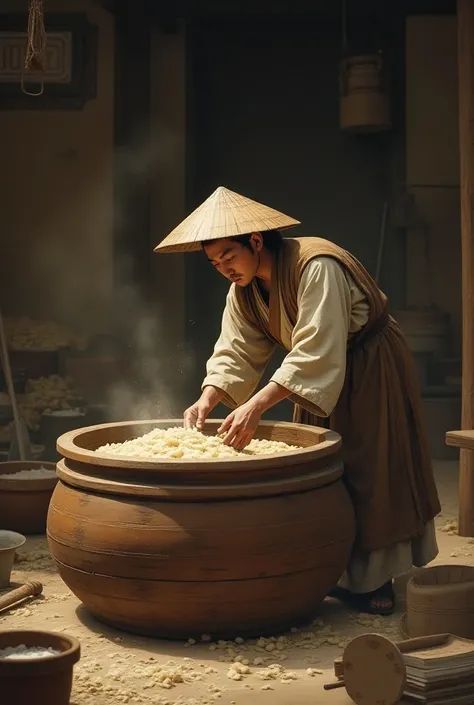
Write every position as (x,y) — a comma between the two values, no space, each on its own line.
(224,214)
(197,245)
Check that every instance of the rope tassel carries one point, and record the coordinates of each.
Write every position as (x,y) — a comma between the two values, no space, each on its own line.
(36,43)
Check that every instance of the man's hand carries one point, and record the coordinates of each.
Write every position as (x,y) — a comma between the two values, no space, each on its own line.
(240,425)
(195,416)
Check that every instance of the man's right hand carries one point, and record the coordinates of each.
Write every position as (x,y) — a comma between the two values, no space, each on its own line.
(195,416)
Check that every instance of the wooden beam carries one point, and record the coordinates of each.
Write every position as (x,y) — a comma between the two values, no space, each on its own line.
(460,439)
(465,9)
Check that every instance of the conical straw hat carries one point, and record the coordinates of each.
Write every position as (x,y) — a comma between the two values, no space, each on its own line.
(223,214)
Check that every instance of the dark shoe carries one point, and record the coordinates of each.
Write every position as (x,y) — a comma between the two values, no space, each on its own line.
(378,602)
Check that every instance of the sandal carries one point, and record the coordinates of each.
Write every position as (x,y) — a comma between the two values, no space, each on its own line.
(368,602)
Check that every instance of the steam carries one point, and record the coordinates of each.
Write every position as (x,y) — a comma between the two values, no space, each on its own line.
(154,387)
(71,278)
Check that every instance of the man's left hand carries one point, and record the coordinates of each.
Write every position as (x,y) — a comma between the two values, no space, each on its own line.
(240,425)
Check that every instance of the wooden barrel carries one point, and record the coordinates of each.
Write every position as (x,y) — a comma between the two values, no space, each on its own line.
(181,548)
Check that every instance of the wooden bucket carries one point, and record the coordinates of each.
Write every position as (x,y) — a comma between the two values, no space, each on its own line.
(46,681)
(24,502)
(364,95)
(440,599)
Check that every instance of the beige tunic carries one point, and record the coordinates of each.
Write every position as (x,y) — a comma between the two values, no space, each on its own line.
(313,371)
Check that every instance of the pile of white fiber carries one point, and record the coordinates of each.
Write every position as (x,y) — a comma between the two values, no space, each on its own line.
(33,474)
(176,443)
(22,652)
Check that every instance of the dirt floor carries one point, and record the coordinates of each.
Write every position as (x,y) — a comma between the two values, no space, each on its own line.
(288,670)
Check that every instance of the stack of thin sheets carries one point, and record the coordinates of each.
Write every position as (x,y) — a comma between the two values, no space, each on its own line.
(441,675)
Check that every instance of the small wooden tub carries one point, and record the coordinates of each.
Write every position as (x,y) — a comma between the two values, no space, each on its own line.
(24,502)
(181,548)
(440,599)
(44,681)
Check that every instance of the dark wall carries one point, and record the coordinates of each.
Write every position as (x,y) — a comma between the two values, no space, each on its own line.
(264,122)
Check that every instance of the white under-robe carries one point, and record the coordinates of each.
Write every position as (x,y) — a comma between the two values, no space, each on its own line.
(331,308)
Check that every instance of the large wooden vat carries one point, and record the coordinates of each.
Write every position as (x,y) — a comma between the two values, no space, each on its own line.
(178,549)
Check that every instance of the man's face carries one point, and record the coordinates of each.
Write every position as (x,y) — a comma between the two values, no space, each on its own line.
(234,260)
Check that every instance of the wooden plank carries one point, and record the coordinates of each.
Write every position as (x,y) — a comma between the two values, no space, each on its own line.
(460,439)
(466,148)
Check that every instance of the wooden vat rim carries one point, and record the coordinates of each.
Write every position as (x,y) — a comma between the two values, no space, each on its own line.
(329,444)
(166,490)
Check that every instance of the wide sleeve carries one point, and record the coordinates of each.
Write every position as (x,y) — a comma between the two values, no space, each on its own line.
(240,355)
(314,369)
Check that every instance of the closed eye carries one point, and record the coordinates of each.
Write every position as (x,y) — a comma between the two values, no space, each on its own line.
(224,261)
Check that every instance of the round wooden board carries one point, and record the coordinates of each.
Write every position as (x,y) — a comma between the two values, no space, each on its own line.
(374,671)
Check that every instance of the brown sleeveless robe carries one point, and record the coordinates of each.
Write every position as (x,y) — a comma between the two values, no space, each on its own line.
(387,462)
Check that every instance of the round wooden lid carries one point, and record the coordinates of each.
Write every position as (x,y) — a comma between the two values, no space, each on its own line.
(374,671)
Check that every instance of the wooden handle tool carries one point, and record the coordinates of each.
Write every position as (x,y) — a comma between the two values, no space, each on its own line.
(30,589)
(334,685)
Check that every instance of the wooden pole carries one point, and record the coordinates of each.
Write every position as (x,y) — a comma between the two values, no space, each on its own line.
(5,364)
(465,13)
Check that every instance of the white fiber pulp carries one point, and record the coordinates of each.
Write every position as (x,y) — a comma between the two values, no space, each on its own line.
(188,444)
(22,652)
(33,474)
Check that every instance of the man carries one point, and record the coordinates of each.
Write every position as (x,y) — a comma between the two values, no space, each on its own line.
(347,364)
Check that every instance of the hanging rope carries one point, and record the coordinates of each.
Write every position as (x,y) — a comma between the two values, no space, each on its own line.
(36,44)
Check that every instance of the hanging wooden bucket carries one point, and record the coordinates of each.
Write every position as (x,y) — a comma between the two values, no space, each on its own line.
(364,95)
